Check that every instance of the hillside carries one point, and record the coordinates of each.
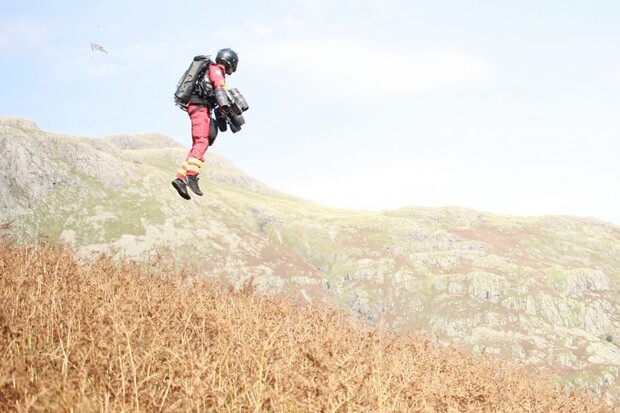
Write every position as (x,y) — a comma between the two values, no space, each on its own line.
(99,336)
(542,291)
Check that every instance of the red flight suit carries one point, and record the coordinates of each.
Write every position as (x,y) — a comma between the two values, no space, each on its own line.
(200,115)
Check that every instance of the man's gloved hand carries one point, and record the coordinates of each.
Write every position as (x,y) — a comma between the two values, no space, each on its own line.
(220,119)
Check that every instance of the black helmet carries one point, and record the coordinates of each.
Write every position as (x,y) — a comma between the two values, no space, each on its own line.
(229,59)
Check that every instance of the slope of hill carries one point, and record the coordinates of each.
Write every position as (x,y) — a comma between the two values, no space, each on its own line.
(542,291)
(103,337)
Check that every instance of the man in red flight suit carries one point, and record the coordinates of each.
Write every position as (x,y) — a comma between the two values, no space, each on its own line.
(212,92)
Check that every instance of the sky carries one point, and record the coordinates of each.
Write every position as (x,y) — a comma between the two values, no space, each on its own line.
(499,106)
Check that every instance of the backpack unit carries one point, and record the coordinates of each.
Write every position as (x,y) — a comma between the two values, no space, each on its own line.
(190,79)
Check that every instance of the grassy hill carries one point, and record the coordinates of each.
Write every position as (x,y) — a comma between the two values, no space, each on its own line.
(541,291)
(105,336)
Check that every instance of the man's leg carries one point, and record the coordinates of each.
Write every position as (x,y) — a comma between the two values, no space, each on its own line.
(187,174)
(200,117)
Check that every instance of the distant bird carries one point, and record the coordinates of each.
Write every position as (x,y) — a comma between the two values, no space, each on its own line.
(95,46)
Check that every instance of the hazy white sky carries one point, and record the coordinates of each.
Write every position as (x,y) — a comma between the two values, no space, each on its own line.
(501,106)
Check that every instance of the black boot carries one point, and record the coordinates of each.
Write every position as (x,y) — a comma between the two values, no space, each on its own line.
(192,182)
(181,188)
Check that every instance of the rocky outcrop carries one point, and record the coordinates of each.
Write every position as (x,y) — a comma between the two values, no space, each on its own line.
(38,164)
(582,280)
(18,123)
